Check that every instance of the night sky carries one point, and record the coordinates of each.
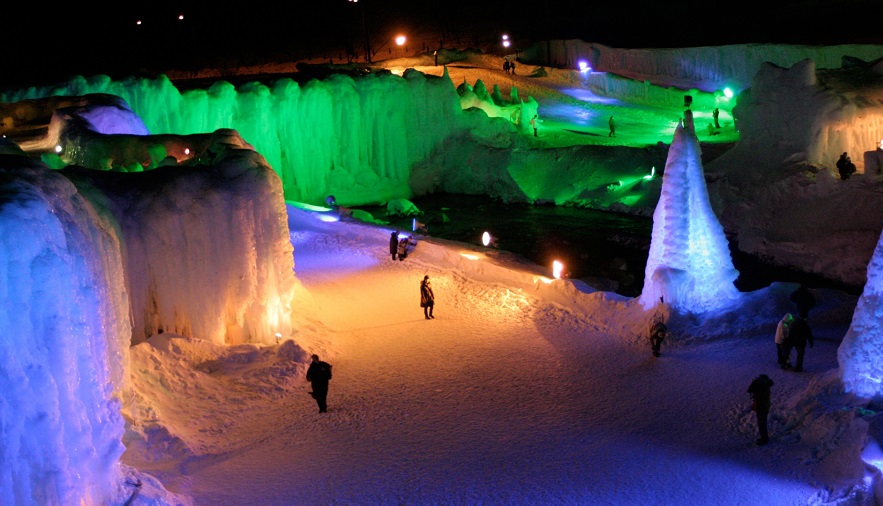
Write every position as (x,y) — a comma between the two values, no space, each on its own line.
(88,38)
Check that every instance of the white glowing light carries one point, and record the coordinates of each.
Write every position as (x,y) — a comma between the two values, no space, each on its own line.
(506,43)
(505,37)
(652,173)
(186,151)
(470,256)
(486,238)
(557,269)
(58,148)
(180,17)
(400,40)
(728,92)
(584,66)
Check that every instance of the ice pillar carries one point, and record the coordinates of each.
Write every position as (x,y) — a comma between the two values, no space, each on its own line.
(689,263)
(861,352)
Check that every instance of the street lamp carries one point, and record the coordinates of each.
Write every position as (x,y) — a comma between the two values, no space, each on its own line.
(365,31)
(400,41)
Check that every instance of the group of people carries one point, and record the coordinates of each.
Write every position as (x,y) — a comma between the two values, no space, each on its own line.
(792,333)
(400,247)
(509,66)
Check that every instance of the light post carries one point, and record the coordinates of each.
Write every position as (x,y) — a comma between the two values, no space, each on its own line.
(400,41)
(365,31)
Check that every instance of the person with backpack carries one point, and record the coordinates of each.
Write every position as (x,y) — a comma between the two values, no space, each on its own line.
(760,393)
(783,341)
(801,334)
(318,374)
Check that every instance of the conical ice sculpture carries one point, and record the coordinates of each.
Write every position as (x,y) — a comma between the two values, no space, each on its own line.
(861,352)
(689,265)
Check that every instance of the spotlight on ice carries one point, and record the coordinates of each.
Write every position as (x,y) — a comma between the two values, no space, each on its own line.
(584,66)
(557,269)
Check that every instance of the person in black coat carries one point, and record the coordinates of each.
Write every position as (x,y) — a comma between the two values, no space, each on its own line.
(427,298)
(394,244)
(800,335)
(318,374)
(760,393)
(804,300)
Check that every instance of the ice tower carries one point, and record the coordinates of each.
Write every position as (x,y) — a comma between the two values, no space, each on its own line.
(860,354)
(689,264)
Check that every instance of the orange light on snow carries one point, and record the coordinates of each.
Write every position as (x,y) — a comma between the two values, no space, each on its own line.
(557,269)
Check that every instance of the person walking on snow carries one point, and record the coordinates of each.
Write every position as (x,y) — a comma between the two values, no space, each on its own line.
(783,341)
(760,393)
(804,300)
(318,374)
(533,124)
(427,298)
(394,244)
(612,125)
(658,331)
(801,334)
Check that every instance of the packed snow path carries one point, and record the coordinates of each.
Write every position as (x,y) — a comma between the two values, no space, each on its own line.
(502,400)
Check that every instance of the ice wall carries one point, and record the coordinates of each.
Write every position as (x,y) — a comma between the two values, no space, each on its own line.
(791,113)
(689,262)
(64,345)
(706,68)
(860,354)
(354,138)
(205,247)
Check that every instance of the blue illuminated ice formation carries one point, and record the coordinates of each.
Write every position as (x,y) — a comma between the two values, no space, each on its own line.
(860,354)
(689,263)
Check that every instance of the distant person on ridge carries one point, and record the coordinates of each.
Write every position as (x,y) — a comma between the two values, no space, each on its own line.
(783,341)
(845,166)
(427,298)
(394,244)
(801,334)
(318,374)
(760,393)
(715,113)
(612,125)
(804,300)
(506,66)
(533,124)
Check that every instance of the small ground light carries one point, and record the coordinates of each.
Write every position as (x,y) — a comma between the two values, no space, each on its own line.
(728,92)
(278,337)
(584,66)
(58,148)
(486,238)
(557,269)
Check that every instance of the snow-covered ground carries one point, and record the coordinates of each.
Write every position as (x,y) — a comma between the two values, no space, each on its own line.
(522,390)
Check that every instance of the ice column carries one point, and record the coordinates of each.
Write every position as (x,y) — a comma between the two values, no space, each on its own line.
(689,263)
(63,315)
(861,352)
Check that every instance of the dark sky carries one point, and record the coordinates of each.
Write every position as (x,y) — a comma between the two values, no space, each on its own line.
(88,37)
